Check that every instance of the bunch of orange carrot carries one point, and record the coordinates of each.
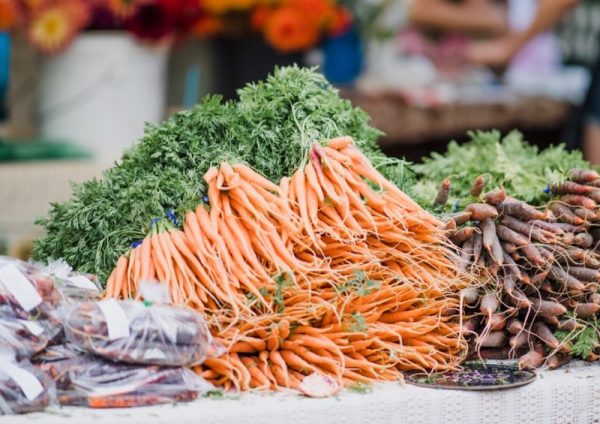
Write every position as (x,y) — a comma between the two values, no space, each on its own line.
(333,270)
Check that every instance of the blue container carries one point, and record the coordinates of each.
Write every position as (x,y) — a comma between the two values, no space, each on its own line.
(4,73)
(343,57)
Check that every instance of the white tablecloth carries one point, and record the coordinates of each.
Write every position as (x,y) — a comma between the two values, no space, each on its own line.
(570,395)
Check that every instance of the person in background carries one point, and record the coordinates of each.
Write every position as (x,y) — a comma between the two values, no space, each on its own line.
(480,17)
(498,53)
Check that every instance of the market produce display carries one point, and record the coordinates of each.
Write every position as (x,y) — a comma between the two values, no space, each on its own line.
(334,271)
(271,128)
(293,254)
(539,273)
(139,333)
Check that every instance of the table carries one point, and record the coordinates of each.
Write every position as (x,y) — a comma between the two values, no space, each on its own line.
(405,124)
(568,395)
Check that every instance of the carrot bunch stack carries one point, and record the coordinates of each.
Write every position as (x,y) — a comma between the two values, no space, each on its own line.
(334,270)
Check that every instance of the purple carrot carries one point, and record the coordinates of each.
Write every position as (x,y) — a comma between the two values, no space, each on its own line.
(563,278)
(569,187)
(519,340)
(495,197)
(586,310)
(579,200)
(492,339)
(461,217)
(506,234)
(565,214)
(481,211)
(514,326)
(547,307)
(547,226)
(584,274)
(444,192)
(462,235)
(583,176)
(490,240)
(557,360)
(478,186)
(477,246)
(533,255)
(543,333)
(520,210)
(533,359)
(584,240)
(528,230)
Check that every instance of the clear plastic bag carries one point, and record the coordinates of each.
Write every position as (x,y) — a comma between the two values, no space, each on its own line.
(73,285)
(59,362)
(23,387)
(104,384)
(139,332)
(26,291)
(23,338)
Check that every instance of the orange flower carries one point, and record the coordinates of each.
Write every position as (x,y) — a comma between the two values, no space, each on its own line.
(220,7)
(8,14)
(321,12)
(79,12)
(33,5)
(288,29)
(51,29)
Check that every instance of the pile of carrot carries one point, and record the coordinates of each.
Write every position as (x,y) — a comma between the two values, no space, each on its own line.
(539,269)
(333,270)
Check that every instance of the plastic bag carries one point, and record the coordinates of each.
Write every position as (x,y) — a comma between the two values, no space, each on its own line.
(73,285)
(26,291)
(23,338)
(139,332)
(104,384)
(59,362)
(23,388)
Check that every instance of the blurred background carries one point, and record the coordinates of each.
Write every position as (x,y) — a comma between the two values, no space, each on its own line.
(80,78)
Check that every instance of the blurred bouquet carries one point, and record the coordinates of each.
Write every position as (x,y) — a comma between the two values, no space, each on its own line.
(50,25)
(287,25)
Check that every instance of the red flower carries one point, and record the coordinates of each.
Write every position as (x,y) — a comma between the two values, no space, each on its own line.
(163,19)
(260,17)
(342,21)
(8,14)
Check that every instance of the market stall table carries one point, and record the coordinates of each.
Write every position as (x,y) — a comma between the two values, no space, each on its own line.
(568,395)
(406,123)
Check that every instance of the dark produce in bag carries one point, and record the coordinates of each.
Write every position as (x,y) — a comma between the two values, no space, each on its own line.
(139,332)
(104,384)
(23,388)
(25,338)
(73,285)
(26,291)
(59,361)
